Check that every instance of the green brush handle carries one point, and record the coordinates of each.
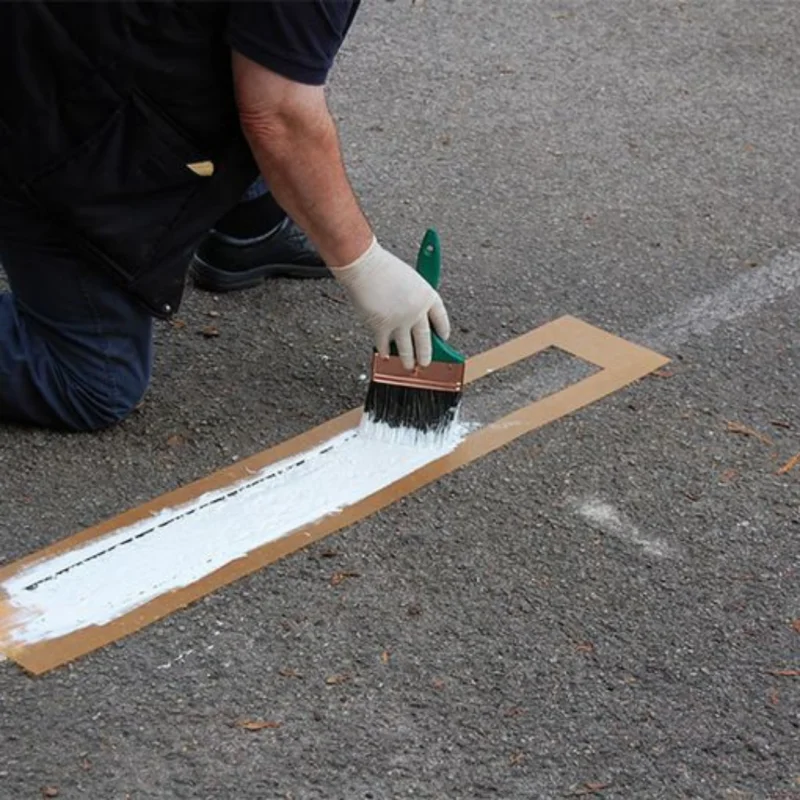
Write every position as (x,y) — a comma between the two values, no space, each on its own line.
(429,266)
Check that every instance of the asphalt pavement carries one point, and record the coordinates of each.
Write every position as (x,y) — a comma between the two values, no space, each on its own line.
(609,607)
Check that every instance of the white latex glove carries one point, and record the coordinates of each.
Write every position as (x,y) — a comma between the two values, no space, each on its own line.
(397,303)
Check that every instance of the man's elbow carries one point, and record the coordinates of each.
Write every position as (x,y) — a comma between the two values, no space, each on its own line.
(286,125)
(275,109)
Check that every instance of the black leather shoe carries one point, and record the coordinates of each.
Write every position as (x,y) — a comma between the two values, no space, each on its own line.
(223,263)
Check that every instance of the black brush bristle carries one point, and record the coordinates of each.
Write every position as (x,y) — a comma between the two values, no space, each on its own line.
(424,410)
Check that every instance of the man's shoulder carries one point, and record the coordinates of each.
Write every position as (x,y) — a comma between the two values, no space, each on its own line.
(298,39)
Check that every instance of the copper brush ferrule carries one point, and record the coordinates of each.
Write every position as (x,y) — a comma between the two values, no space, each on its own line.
(439,376)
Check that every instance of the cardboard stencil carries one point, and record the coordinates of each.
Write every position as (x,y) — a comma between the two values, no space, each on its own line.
(22,582)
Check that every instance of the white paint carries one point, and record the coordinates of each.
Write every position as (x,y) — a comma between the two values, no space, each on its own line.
(746,295)
(411,437)
(106,578)
(604,517)
(177,660)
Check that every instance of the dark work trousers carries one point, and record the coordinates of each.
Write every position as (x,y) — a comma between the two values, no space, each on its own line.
(75,350)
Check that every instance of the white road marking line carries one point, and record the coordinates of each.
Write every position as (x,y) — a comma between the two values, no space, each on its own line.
(743,297)
(602,516)
(747,295)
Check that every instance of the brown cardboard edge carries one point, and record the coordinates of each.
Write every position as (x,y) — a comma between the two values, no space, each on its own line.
(239,471)
(622,362)
(477,367)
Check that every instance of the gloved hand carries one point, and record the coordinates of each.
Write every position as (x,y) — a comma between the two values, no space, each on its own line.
(396,302)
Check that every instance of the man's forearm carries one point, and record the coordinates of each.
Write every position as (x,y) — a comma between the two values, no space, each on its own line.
(301,160)
(293,138)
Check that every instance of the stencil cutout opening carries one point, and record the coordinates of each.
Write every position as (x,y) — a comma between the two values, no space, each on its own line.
(527,381)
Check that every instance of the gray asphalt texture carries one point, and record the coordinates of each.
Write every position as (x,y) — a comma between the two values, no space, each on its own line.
(596,610)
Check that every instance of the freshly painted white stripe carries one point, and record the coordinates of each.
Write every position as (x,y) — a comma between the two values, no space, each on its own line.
(604,517)
(106,578)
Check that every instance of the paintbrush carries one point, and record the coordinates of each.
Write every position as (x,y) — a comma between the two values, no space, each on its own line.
(421,405)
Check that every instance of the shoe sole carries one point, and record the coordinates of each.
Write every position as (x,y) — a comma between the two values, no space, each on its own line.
(217,280)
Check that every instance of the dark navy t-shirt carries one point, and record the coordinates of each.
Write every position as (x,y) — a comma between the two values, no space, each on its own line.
(298,39)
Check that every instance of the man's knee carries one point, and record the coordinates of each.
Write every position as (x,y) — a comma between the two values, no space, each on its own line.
(48,380)
(85,407)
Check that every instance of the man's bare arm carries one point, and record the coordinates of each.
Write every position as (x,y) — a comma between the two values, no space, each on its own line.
(294,141)
(293,138)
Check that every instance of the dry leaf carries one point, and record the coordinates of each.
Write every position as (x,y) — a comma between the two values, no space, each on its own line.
(585,647)
(175,440)
(177,323)
(774,697)
(335,680)
(789,465)
(340,577)
(728,475)
(796,625)
(256,724)
(743,430)
(335,299)
(288,672)
(49,791)
(785,673)
(210,331)
(385,656)
(515,759)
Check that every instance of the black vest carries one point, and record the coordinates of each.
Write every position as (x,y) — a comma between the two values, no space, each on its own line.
(102,107)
